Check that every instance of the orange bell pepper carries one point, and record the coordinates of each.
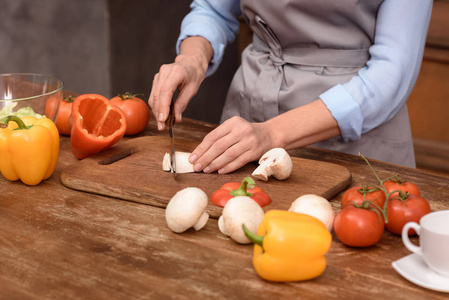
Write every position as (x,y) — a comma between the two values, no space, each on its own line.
(97,125)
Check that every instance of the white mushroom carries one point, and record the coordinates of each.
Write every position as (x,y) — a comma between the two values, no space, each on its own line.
(276,162)
(166,162)
(315,206)
(187,209)
(182,162)
(238,211)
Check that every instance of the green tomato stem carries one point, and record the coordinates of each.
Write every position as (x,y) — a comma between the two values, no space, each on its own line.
(127,96)
(383,210)
(69,99)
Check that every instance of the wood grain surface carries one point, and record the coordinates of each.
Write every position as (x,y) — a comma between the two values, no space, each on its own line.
(61,243)
(133,171)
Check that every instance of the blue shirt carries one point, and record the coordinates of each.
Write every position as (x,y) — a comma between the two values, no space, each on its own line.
(367,100)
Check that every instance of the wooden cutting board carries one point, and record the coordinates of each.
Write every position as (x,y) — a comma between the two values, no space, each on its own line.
(133,171)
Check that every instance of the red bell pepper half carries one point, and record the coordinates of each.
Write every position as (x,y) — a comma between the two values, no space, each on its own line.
(97,125)
(246,188)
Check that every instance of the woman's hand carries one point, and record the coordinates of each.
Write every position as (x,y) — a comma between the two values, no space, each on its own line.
(232,145)
(186,74)
(237,142)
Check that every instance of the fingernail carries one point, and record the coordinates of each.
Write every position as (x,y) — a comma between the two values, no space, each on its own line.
(179,117)
(197,167)
(161,117)
(193,158)
(206,169)
(159,126)
(221,171)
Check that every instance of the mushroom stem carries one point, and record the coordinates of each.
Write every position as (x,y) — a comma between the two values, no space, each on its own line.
(201,221)
(262,172)
(276,162)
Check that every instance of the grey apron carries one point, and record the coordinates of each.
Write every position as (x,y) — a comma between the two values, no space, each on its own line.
(300,49)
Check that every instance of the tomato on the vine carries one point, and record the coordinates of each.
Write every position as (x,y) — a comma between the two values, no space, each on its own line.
(400,212)
(399,184)
(358,194)
(136,111)
(358,226)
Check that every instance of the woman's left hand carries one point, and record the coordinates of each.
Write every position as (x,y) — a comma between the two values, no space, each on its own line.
(232,145)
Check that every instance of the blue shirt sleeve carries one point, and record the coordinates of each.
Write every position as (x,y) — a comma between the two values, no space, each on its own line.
(383,86)
(216,21)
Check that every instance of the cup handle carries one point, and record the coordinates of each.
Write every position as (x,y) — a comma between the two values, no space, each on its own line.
(406,240)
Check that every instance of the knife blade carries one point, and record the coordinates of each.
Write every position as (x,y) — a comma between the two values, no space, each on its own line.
(170,122)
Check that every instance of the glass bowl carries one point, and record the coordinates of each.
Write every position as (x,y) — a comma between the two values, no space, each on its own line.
(24,94)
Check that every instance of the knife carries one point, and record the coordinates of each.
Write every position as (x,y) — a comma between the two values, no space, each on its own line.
(170,122)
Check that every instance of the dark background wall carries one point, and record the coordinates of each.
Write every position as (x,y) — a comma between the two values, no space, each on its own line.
(104,46)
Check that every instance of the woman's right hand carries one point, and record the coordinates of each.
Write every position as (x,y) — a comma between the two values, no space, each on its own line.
(186,74)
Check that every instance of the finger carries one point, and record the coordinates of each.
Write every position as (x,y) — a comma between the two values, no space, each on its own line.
(245,144)
(166,96)
(155,98)
(196,158)
(168,83)
(153,84)
(221,152)
(237,163)
(231,159)
(151,98)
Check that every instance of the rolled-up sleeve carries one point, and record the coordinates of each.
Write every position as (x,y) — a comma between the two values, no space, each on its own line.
(383,86)
(216,21)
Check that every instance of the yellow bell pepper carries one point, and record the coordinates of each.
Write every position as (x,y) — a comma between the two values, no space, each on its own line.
(289,246)
(29,148)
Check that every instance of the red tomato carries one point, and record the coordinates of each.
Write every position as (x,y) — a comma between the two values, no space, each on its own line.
(401,185)
(63,119)
(51,109)
(401,212)
(356,193)
(358,227)
(136,111)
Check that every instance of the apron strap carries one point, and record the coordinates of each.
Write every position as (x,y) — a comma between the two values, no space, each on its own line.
(271,77)
(318,57)
(300,55)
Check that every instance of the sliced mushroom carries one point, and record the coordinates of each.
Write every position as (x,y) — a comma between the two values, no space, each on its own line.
(187,209)
(182,162)
(276,162)
(238,211)
(166,162)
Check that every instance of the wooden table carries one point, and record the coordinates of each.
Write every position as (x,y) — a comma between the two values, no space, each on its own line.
(58,243)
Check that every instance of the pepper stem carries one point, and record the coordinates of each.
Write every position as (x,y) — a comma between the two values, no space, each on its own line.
(256,239)
(20,124)
(247,183)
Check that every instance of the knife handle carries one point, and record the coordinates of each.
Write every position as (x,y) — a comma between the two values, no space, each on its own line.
(171,115)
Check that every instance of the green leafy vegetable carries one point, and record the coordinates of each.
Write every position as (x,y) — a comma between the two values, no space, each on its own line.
(22,112)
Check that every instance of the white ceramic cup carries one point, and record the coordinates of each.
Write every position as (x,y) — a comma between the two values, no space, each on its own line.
(433,232)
